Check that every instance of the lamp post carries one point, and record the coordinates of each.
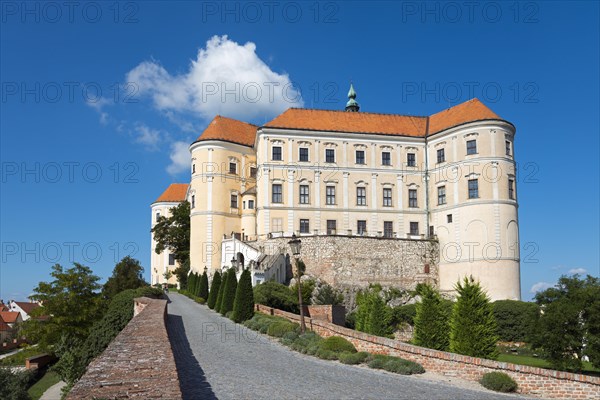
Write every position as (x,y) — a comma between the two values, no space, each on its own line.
(295,245)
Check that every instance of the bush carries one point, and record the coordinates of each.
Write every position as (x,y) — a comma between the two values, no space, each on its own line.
(203,287)
(325,354)
(395,365)
(200,300)
(221,291)
(326,295)
(13,385)
(276,295)
(289,337)
(280,328)
(499,382)
(243,307)
(515,319)
(473,326)
(214,290)
(353,358)
(372,315)
(404,314)
(307,343)
(337,344)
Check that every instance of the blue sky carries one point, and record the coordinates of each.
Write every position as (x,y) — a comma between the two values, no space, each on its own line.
(98,104)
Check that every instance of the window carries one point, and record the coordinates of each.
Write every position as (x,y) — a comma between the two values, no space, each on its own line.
(157,216)
(511,189)
(431,231)
(193,200)
(193,168)
(361,227)
(251,204)
(331,226)
(171,259)
(276,225)
(304,226)
(361,196)
(441,156)
(473,188)
(330,195)
(386,158)
(414,228)
(507,143)
(387,197)
(441,195)
(303,156)
(360,156)
(277,193)
(330,155)
(471,147)
(277,153)
(234,201)
(449,218)
(232,168)
(411,160)
(252,172)
(388,229)
(244,205)
(304,197)
(412,198)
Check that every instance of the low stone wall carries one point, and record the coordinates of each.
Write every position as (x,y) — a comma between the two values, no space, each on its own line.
(39,361)
(532,381)
(138,363)
(358,261)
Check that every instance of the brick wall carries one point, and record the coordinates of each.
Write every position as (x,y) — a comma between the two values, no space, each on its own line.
(358,261)
(138,363)
(532,381)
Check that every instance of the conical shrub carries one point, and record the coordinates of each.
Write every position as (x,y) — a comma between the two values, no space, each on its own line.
(214,290)
(229,293)
(243,307)
(221,291)
(203,287)
(431,320)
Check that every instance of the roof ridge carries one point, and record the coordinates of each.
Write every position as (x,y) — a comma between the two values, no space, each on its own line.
(234,119)
(358,113)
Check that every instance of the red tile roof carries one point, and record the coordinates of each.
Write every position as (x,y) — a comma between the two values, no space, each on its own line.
(9,316)
(4,326)
(229,130)
(175,193)
(3,307)
(383,124)
(28,307)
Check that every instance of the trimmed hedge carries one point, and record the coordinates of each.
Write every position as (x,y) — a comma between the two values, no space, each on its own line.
(276,295)
(396,365)
(280,328)
(214,290)
(243,307)
(353,358)
(499,382)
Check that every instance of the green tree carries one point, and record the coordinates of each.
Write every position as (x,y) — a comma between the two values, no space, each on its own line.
(515,319)
(276,295)
(431,319)
(473,325)
(568,326)
(71,299)
(327,295)
(214,290)
(372,315)
(173,234)
(308,285)
(229,292)
(221,291)
(243,307)
(191,284)
(13,385)
(203,290)
(126,275)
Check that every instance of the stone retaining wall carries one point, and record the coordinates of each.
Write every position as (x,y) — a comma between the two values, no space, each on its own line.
(540,382)
(358,261)
(138,363)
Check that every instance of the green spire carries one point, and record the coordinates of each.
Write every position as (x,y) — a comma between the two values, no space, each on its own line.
(352,105)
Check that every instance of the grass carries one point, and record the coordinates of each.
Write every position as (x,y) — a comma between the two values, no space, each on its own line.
(540,363)
(19,358)
(49,379)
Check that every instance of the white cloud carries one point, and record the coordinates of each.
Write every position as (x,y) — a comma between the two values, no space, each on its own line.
(579,271)
(180,158)
(539,286)
(148,137)
(98,105)
(225,78)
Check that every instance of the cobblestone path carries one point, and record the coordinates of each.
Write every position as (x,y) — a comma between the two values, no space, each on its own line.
(217,359)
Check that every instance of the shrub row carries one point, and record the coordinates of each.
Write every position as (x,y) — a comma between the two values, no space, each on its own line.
(331,348)
(197,299)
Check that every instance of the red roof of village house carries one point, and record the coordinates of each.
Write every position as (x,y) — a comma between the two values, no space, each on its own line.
(175,193)
(28,307)
(3,307)
(4,326)
(229,130)
(383,124)
(9,316)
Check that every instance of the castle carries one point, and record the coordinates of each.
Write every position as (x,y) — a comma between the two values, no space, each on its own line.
(350,182)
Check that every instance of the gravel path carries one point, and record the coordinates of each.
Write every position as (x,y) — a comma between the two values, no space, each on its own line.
(217,359)
(53,392)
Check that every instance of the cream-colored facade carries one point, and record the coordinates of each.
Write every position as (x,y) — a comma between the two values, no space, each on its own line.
(456,185)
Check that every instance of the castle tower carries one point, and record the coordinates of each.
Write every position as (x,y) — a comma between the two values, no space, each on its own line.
(223,167)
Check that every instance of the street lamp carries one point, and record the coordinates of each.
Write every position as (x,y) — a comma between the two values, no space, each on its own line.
(295,245)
